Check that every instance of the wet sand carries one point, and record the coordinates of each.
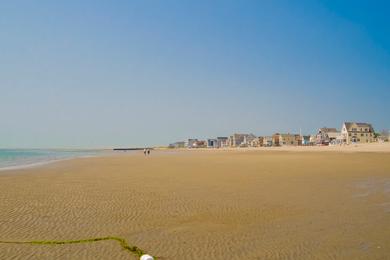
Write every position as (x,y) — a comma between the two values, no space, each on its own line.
(238,204)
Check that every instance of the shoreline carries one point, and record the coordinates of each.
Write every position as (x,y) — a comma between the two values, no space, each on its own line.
(50,161)
(43,163)
(361,148)
(31,165)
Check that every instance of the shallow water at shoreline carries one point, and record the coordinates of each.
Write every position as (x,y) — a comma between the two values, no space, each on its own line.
(24,158)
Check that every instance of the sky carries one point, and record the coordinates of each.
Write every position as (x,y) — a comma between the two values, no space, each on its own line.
(101,74)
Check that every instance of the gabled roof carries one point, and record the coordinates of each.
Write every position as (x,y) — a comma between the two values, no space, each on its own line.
(349,125)
(334,134)
(363,125)
(327,130)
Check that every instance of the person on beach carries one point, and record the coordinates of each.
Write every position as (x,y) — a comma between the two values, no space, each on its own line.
(145,151)
(148,151)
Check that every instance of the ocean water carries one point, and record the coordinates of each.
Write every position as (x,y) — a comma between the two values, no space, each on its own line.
(22,158)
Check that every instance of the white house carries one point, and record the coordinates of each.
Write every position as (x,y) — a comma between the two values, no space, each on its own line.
(192,143)
(212,143)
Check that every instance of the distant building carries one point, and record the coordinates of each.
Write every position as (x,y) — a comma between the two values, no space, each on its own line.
(384,136)
(352,132)
(285,139)
(248,139)
(236,140)
(267,141)
(200,144)
(222,142)
(257,142)
(313,139)
(260,140)
(326,135)
(305,140)
(177,145)
(212,143)
(276,139)
(240,140)
(337,141)
(191,143)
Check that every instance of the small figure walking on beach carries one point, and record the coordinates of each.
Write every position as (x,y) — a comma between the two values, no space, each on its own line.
(148,151)
(145,151)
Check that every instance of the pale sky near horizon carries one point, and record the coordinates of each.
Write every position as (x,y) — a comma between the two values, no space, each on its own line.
(134,73)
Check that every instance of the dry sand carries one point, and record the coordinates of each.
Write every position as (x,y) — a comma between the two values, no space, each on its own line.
(235,204)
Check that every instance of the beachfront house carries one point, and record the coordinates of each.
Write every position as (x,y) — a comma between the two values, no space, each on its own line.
(260,140)
(257,142)
(326,135)
(267,141)
(212,143)
(384,136)
(305,140)
(241,140)
(352,132)
(337,141)
(200,144)
(285,139)
(191,143)
(248,139)
(236,140)
(222,141)
(313,139)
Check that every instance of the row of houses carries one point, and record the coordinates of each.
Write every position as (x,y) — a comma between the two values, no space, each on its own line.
(195,143)
(350,133)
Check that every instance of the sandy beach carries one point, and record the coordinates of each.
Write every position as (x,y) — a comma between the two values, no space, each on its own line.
(233,204)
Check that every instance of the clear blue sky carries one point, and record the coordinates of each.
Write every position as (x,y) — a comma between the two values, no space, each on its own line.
(133,73)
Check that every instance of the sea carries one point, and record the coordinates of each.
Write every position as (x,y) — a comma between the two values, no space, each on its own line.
(24,158)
